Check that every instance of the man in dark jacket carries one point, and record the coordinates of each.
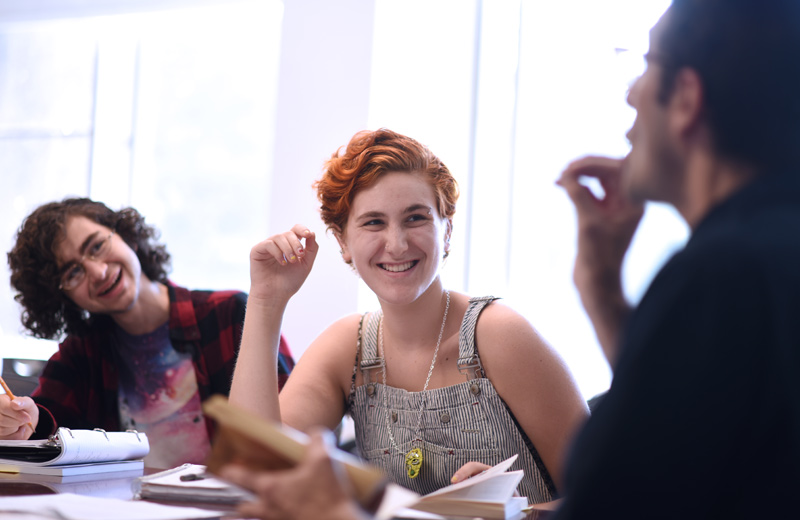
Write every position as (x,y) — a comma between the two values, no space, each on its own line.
(702,419)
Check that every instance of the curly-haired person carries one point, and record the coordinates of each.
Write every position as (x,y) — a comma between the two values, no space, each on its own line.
(137,351)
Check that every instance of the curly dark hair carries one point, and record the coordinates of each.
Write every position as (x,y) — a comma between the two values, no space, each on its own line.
(47,312)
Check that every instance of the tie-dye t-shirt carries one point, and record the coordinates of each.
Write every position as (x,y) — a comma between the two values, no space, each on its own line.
(158,395)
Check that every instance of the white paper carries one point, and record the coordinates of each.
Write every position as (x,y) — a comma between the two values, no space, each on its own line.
(477,479)
(82,446)
(77,507)
(395,500)
(167,485)
(495,483)
(172,478)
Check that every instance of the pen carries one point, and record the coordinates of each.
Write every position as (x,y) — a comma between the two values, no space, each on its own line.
(11,396)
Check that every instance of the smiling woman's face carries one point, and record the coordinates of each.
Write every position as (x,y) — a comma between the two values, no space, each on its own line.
(395,236)
(111,285)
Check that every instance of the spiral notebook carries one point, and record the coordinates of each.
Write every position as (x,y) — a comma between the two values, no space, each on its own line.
(76,452)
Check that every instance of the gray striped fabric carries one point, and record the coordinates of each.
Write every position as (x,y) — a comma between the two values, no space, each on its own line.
(460,423)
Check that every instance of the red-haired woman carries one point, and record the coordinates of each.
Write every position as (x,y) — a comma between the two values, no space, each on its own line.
(433,379)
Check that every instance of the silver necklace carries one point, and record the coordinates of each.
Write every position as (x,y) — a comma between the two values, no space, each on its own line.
(414,455)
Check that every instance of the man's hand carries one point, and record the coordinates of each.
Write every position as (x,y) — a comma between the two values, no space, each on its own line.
(316,488)
(15,415)
(606,226)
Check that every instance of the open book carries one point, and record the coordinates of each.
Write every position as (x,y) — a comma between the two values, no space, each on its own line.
(76,452)
(489,494)
(246,439)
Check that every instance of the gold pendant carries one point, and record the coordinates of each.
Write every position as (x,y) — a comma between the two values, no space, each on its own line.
(414,462)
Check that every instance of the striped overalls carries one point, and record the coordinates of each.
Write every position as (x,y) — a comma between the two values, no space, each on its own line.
(460,423)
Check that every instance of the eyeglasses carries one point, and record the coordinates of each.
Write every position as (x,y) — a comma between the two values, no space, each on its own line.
(75,272)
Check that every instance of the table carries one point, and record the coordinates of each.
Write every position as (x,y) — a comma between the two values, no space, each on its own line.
(119,485)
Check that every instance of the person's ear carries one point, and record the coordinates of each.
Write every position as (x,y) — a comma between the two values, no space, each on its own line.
(686,102)
(448,232)
(342,246)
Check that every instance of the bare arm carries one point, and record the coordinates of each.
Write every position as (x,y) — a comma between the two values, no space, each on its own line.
(278,268)
(315,393)
(605,229)
(534,382)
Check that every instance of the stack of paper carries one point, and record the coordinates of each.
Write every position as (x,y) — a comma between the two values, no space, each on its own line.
(107,485)
(189,483)
(77,507)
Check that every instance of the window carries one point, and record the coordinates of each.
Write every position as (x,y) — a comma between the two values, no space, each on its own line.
(507,93)
(169,111)
(174,111)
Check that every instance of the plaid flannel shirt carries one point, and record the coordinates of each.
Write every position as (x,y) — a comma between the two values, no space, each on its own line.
(79,387)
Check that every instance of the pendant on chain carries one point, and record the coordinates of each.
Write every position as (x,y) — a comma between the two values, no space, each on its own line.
(414,456)
(414,462)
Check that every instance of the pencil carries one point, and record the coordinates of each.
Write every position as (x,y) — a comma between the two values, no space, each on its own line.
(11,396)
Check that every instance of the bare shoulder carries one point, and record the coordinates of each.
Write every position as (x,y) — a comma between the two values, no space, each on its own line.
(504,336)
(498,321)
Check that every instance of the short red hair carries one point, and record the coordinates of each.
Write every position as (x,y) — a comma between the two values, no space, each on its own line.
(368,156)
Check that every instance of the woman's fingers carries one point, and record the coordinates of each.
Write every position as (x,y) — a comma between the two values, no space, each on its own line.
(470,469)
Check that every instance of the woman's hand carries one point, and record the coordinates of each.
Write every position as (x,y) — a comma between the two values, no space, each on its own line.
(470,469)
(14,417)
(280,264)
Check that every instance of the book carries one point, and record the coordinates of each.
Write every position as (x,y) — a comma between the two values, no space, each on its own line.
(68,470)
(76,452)
(110,485)
(189,483)
(489,495)
(251,441)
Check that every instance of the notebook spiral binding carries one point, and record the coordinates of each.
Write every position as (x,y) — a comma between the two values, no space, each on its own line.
(52,440)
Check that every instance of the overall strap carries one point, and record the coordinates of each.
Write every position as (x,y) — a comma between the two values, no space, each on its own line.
(369,349)
(469,362)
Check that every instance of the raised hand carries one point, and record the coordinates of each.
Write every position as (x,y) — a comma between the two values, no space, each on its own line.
(280,264)
(606,225)
(15,416)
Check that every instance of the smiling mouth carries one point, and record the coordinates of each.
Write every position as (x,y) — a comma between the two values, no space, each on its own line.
(398,268)
(113,285)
